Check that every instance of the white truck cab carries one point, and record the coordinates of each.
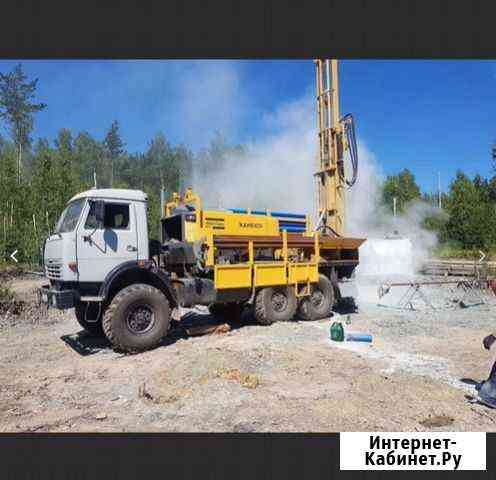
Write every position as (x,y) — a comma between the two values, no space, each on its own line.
(82,250)
(100,232)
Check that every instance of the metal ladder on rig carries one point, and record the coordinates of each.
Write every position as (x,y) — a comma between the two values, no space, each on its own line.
(330,173)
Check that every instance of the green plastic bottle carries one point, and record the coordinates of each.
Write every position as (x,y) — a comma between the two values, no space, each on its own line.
(337,332)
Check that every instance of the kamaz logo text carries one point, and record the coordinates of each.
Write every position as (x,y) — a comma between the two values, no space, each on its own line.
(250,225)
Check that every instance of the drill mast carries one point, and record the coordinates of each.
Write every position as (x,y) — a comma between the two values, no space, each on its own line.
(334,137)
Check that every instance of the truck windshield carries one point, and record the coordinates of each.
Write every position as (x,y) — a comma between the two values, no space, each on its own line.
(70,216)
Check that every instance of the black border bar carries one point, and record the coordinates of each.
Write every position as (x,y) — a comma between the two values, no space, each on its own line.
(207,456)
(248,29)
(148,456)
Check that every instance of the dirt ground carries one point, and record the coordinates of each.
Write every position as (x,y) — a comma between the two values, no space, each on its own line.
(418,374)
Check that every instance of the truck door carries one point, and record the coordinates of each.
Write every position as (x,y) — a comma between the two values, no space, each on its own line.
(99,250)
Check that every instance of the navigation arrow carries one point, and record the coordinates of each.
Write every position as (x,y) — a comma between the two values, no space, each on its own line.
(483,256)
(12,256)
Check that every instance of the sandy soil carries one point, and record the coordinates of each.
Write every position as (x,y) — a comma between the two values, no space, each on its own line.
(416,375)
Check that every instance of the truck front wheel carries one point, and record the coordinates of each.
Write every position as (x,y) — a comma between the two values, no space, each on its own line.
(137,319)
(275,304)
(89,316)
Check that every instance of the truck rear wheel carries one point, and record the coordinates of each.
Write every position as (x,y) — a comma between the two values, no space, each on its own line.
(319,304)
(137,318)
(275,304)
(89,316)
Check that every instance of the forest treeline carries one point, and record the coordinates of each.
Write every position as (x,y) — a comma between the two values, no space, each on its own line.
(38,177)
(466,221)
(51,173)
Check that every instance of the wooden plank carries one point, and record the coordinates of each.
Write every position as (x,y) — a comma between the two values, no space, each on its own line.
(207,329)
(454,268)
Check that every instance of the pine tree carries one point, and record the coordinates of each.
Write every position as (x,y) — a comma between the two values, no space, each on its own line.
(493,155)
(8,199)
(472,220)
(402,187)
(114,147)
(17,109)
(48,195)
(89,155)
(67,179)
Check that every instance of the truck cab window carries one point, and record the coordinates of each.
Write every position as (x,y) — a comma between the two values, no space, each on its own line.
(116,217)
(70,216)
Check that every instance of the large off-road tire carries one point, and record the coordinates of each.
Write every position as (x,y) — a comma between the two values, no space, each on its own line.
(137,319)
(89,316)
(275,304)
(319,304)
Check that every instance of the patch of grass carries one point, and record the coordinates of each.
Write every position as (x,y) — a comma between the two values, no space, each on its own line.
(6,294)
(247,380)
(8,302)
(437,421)
(168,397)
(175,396)
(9,271)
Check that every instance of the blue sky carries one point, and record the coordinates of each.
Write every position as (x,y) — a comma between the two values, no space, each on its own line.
(428,116)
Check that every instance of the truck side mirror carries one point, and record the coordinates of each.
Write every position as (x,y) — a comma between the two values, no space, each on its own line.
(99,212)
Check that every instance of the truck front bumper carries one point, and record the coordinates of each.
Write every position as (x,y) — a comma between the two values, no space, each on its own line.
(61,299)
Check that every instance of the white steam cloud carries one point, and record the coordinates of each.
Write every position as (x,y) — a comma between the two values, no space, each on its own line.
(369,218)
(277,173)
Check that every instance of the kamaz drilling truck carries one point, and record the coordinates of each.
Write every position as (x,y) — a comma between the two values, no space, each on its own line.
(100,261)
